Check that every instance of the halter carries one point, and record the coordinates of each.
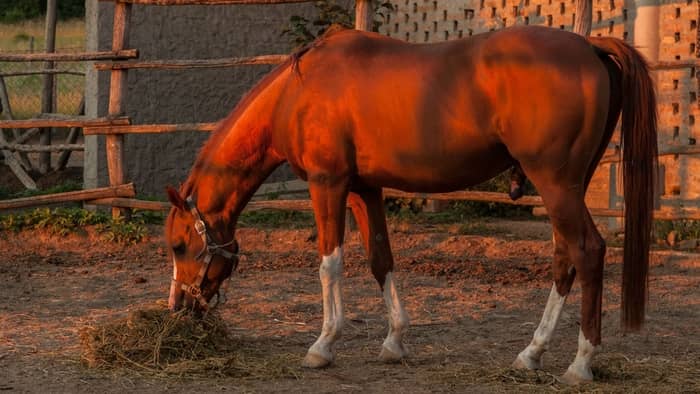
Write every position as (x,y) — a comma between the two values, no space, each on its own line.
(209,250)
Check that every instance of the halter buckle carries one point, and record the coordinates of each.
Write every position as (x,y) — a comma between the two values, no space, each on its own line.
(200,227)
(194,291)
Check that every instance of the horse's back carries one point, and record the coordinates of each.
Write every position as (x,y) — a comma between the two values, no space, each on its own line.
(423,117)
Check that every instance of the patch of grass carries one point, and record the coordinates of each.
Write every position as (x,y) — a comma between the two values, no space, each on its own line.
(64,221)
(685,229)
(58,221)
(276,219)
(25,91)
(122,231)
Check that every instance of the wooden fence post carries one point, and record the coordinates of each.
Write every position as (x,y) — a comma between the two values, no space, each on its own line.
(364,15)
(117,88)
(47,94)
(584,17)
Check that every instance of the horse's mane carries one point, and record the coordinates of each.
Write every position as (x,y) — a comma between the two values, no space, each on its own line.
(224,125)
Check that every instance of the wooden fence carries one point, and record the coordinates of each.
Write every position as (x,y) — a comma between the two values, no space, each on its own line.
(114,126)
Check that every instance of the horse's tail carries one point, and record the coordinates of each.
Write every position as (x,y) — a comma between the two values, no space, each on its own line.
(639,154)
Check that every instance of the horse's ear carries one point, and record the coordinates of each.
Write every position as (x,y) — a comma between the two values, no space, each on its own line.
(175,198)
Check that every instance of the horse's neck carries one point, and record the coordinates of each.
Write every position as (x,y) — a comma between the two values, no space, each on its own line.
(236,165)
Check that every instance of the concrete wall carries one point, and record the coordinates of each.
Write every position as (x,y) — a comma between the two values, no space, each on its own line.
(155,96)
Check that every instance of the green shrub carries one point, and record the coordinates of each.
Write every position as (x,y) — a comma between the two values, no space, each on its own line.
(302,31)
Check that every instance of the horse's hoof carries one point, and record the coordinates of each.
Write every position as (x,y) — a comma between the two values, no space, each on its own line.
(315,360)
(574,377)
(392,354)
(525,362)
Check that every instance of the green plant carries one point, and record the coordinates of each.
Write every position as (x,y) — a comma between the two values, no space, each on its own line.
(123,232)
(63,221)
(58,221)
(684,229)
(302,30)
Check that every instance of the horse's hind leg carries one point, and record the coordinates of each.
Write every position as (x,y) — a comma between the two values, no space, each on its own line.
(585,249)
(368,208)
(328,200)
(564,274)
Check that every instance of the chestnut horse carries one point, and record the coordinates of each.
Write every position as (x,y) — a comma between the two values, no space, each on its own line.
(355,112)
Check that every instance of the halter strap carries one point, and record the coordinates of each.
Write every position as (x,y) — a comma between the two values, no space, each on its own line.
(209,249)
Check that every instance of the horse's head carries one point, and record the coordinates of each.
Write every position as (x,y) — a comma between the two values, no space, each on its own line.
(203,255)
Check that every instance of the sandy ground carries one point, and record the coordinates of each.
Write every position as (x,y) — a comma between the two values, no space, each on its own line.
(473,301)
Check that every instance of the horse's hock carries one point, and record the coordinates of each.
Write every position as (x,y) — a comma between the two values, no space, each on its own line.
(666,32)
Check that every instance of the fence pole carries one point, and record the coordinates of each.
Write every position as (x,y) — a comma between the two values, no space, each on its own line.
(47,94)
(117,87)
(584,17)
(364,15)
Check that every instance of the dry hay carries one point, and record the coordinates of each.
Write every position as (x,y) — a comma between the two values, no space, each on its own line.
(155,341)
(613,373)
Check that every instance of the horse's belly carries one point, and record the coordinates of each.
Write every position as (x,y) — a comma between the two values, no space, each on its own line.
(432,173)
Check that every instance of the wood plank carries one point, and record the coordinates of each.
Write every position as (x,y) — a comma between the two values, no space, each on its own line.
(16,166)
(677,64)
(295,205)
(41,72)
(364,15)
(131,203)
(467,196)
(123,54)
(126,190)
(178,64)
(583,17)
(208,2)
(684,214)
(47,90)
(149,128)
(670,151)
(76,121)
(41,148)
(115,143)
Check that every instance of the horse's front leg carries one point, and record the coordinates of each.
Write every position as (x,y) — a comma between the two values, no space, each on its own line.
(368,208)
(329,210)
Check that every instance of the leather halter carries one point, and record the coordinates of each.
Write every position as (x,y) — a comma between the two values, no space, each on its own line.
(209,250)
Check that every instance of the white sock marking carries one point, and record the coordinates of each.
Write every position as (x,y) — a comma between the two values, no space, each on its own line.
(331,274)
(581,367)
(398,319)
(532,354)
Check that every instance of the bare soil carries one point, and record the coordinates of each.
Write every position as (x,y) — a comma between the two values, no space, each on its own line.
(474,302)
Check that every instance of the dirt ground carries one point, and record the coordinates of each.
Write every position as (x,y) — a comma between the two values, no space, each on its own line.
(473,301)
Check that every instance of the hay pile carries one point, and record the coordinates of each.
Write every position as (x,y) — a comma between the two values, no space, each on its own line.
(155,341)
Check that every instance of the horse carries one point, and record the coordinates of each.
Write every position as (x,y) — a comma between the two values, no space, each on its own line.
(354,112)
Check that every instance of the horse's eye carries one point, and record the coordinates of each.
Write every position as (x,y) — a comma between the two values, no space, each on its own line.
(179,248)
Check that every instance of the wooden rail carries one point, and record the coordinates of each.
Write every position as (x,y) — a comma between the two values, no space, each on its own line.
(126,190)
(41,72)
(122,54)
(41,148)
(682,214)
(148,128)
(78,121)
(294,205)
(192,64)
(670,151)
